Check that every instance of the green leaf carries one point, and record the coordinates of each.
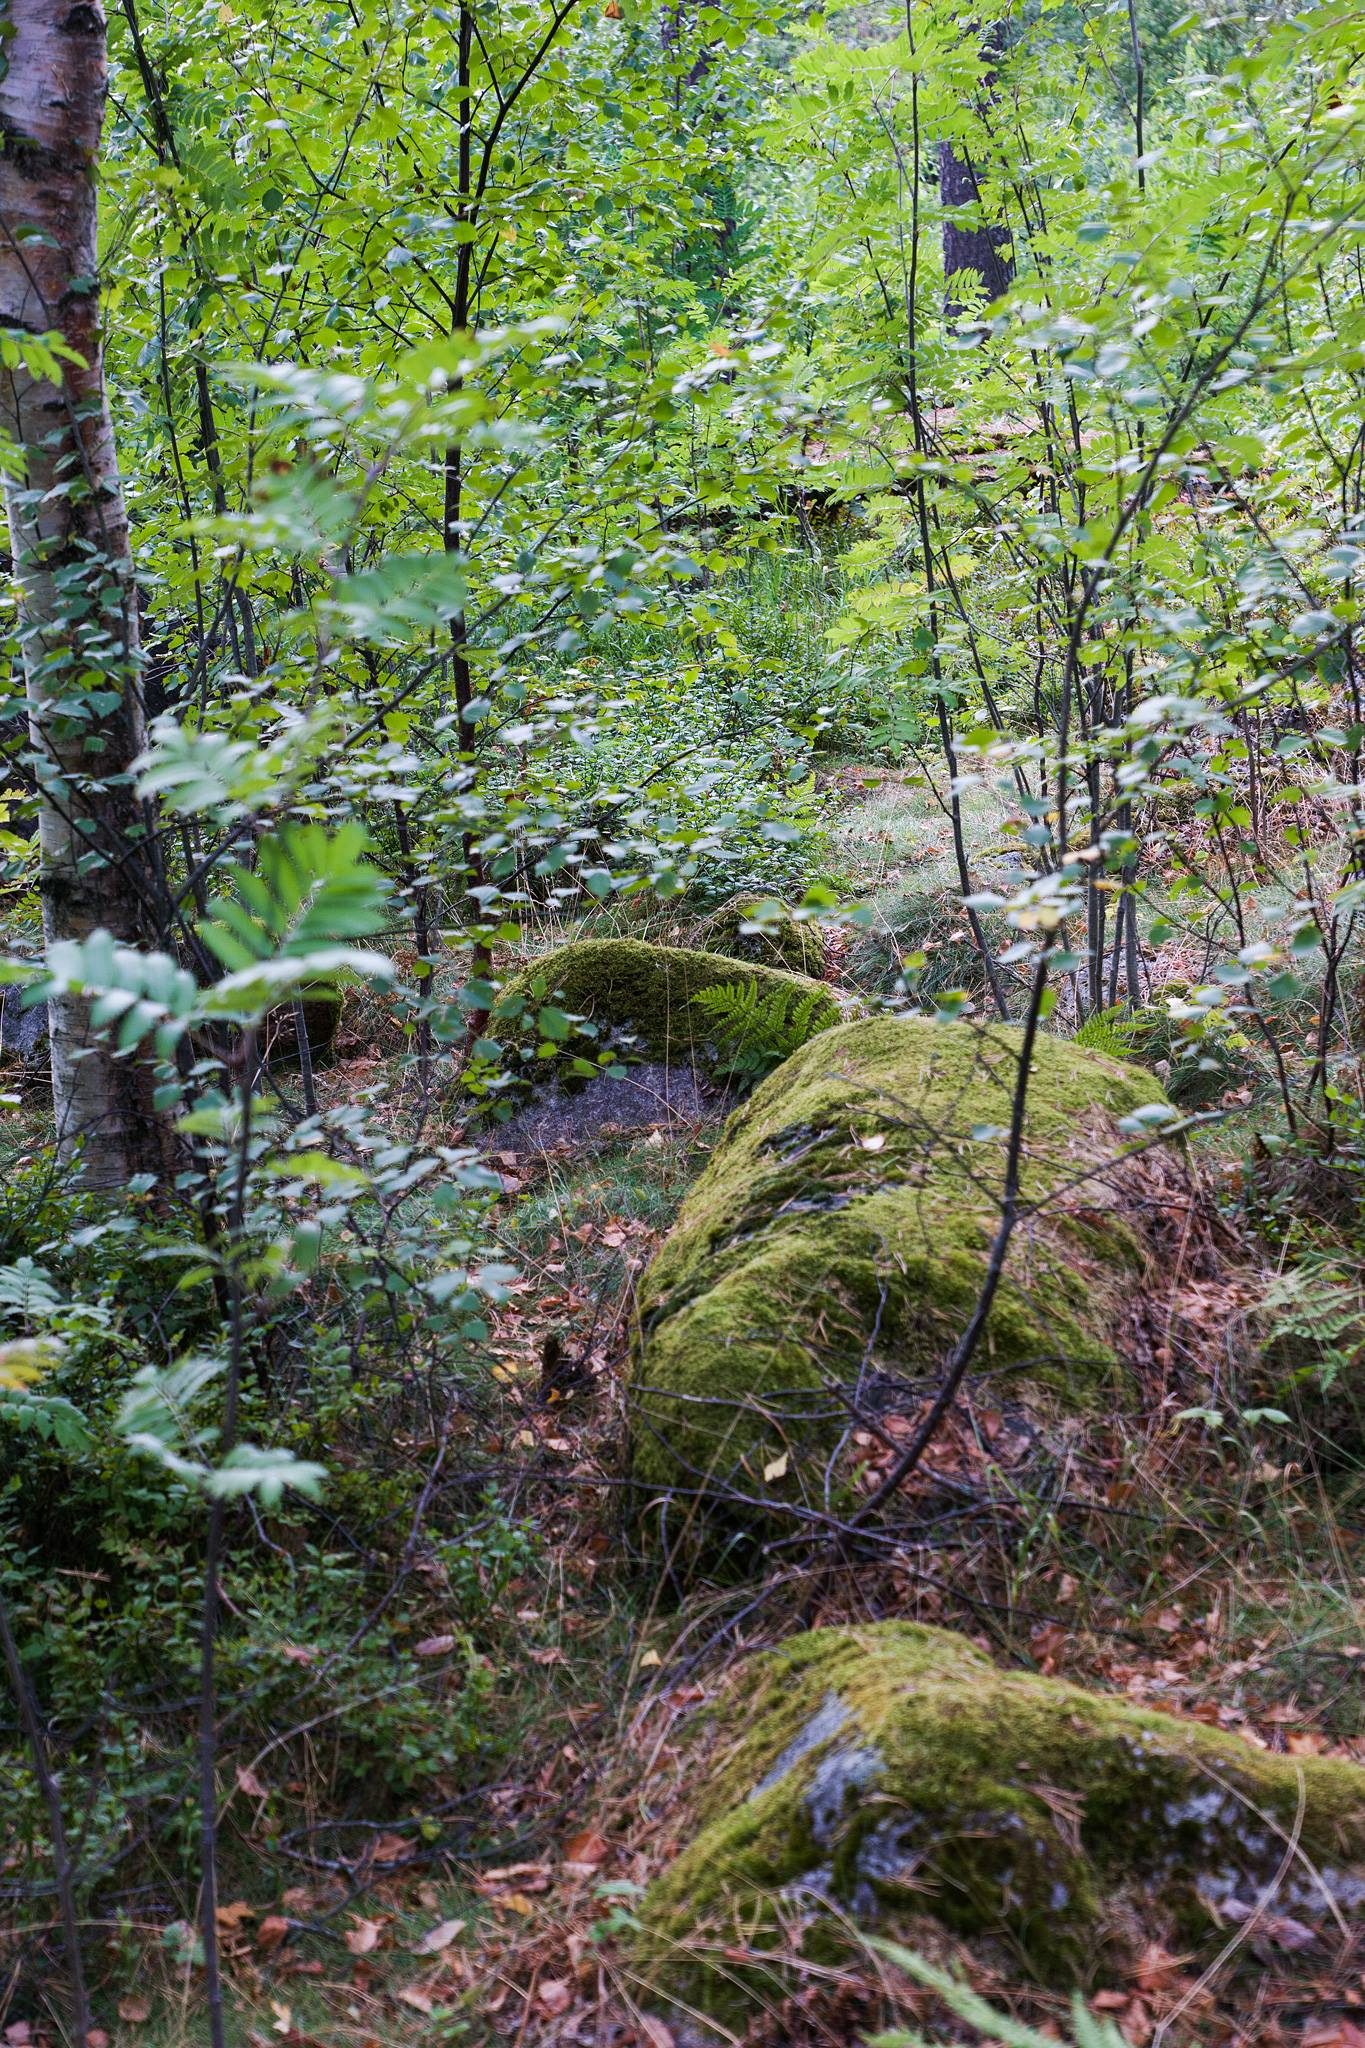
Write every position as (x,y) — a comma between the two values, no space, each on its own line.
(266,1474)
(282,926)
(386,606)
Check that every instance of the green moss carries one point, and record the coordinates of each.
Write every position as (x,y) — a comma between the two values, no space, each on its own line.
(787,942)
(640,992)
(895,1770)
(841,1229)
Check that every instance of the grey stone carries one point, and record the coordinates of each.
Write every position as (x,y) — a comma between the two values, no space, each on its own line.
(23,1032)
(822,1727)
(836,1789)
(649,1094)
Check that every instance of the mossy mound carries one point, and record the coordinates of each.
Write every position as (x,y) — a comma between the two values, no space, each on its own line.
(785,941)
(839,1235)
(893,1773)
(642,997)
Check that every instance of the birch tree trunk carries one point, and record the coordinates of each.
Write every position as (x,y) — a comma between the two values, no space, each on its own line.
(69,537)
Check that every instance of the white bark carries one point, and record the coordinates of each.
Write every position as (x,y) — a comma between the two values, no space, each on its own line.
(69,535)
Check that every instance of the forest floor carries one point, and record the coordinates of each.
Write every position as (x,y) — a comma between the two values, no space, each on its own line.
(1189,1559)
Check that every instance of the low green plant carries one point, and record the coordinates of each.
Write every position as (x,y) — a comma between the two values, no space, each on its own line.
(756,1032)
(1310,1308)
(1109,1032)
(1199,1054)
(920,942)
(991,2025)
(320,1667)
(1311,1329)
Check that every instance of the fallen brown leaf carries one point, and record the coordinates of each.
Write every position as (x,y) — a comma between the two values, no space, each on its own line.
(528,1877)
(554,1995)
(586,1851)
(1136,2024)
(1156,1968)
(363,1936)
(271,1931)
(438,1937)
(388,1849)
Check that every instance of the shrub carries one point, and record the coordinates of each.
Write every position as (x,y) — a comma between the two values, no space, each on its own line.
(922,942)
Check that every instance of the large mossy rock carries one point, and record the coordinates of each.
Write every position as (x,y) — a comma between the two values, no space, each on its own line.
(643,997)
(839,1235)
(893,1774)
(786,941)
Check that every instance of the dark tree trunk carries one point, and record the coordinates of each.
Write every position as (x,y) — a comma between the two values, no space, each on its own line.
(984,248)
(976,246)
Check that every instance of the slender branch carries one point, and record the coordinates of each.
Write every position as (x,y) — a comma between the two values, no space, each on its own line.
(63,1869)
(213,1560)
(965,1349)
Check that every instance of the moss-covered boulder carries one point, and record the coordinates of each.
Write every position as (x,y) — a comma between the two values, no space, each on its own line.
(643,998)
(785,940)
(893,1774)
(839,1235)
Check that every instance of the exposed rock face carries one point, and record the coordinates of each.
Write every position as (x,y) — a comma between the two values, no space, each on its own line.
(789,942)
(893,1772)
(648,1095)
(642,998)
(23,1033)
(837,1240)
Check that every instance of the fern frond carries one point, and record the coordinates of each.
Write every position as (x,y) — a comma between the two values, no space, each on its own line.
(1108,1032)
(968,2005)
(757,1032)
